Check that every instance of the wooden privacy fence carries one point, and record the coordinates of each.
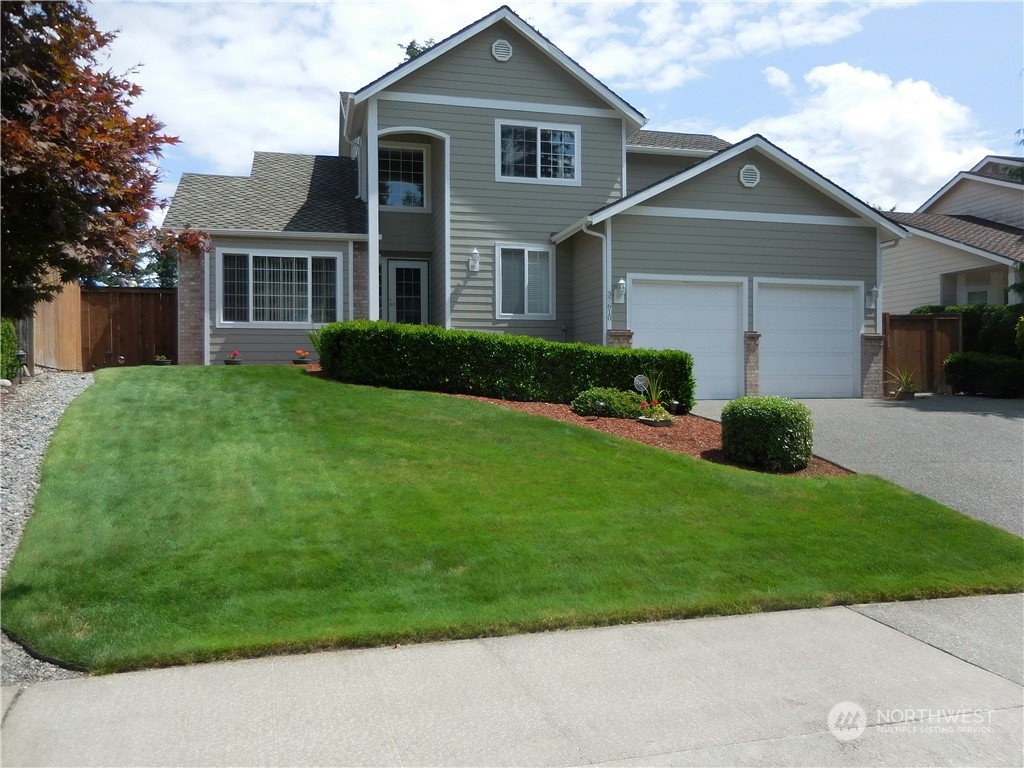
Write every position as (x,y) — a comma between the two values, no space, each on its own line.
(919,344)
(89,328)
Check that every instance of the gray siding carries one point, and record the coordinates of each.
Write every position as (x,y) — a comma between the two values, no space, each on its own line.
(779,191)
(588,292)
(485,211)
(439,193)
(266,345)
(912,273)
(470,71)
(988,201)
(646,244)
(643,169)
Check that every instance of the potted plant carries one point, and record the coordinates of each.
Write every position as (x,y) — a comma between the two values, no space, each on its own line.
(233,358)
(652,412)
(161,360)
(902,383)
(301,357)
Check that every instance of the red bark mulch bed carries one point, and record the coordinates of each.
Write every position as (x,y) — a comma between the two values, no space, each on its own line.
(689,434)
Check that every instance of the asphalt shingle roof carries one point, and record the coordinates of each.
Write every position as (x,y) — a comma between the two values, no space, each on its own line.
(284,193)
(669,140)
(998,239)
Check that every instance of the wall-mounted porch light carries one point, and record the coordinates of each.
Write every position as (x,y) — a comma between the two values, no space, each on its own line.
(474,261)
(871,298)
(619,292)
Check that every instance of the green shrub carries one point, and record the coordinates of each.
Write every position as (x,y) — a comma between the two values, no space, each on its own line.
(618,404)
(512,367)
(974,373)
(9,365)
(770,432)
(1019,334)
(987,328)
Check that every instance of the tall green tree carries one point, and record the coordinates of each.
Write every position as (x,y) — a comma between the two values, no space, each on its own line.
(78,170)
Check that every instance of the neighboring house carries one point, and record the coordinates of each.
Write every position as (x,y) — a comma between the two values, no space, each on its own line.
(967,245)
(493,184)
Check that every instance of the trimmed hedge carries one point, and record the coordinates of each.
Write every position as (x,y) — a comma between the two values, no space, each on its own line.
(512,367)
(974,373)
(987,328)
(770,432)
(9,366)
(617,403)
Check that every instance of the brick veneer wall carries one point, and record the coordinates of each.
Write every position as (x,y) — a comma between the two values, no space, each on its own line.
(751,363)
(360,281)
(191,312)
(620,339)
(871,366)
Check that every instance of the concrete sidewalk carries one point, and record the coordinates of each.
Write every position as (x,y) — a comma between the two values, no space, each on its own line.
(935,682)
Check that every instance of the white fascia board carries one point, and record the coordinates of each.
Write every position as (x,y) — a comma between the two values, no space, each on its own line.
(964,176)
(1002,160)
(765,147)
(756,216)
(274,235)
(496,104)
(503,14)
(963,247)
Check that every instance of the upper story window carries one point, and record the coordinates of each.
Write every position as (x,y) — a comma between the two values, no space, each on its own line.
(277,288)
(539,153)
(525,281)
(402,174)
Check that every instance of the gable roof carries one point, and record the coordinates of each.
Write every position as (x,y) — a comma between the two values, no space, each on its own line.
(683,143)
(506,14)
(975,235)
(283,193)
(759,144)
(979,173)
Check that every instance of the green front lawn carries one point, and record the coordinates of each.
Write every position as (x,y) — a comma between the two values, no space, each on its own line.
(193,513)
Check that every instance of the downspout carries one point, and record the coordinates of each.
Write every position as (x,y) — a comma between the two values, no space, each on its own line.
(606,271)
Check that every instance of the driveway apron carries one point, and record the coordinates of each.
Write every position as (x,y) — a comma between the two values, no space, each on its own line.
(964,452)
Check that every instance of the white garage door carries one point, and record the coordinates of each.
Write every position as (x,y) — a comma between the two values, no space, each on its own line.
(810,339)
(700,317)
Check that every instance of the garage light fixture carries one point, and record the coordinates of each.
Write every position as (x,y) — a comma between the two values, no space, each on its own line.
(871,298)
(619,291)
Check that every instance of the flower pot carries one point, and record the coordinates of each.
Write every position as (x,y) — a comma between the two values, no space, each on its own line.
(655,422)
(300,361)
(163,362)
(234,361)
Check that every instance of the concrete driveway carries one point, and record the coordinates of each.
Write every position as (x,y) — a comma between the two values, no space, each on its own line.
(965,452)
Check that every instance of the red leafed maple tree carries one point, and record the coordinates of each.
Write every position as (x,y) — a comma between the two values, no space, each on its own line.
(78,170)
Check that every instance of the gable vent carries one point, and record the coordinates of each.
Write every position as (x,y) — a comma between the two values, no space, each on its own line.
(749,176)
(501,50)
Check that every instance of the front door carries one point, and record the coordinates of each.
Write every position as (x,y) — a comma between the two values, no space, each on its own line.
(407,292)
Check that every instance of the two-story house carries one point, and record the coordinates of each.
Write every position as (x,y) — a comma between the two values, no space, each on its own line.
(493,184)
(968,241)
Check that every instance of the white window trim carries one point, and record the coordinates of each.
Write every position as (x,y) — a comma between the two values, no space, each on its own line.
(547,248)
(425,149)
(577,143)
(250,252)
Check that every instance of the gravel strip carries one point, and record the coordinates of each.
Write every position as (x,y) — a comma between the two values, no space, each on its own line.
(28,418)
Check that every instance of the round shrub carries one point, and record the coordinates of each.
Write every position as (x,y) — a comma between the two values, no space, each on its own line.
(617,404)
(770,432)
(9,363)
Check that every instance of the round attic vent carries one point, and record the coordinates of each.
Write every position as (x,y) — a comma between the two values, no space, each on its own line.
(749,176)
(501,50)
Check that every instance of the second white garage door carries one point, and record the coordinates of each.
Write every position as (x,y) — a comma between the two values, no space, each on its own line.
(703,317)
(810,339)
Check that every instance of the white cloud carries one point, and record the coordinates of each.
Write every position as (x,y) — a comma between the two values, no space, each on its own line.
(778,79)
(889,143)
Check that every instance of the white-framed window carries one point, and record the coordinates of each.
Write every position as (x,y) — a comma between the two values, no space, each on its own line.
(403,176)
(277,288)
(977,295)
(537,153)
(525,281)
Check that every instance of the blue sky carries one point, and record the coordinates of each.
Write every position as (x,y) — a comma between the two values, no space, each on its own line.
(887,99)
